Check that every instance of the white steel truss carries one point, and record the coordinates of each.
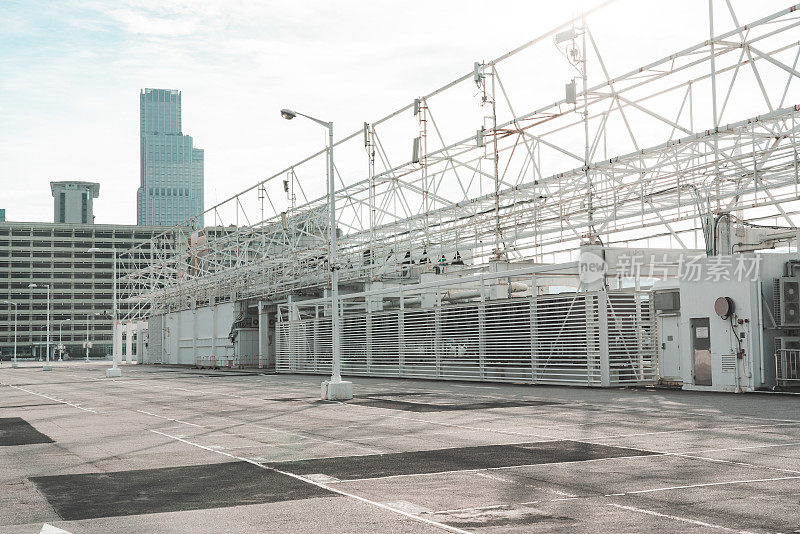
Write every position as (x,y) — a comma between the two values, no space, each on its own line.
(629,158)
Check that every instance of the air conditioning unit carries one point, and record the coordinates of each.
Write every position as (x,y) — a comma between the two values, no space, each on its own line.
(787,302)
(787,368)
(787,342)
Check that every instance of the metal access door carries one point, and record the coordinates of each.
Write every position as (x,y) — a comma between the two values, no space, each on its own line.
(155,338)
(669,353)
(701,348)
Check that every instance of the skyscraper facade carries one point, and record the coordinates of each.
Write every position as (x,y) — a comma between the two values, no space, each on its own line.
(171,167)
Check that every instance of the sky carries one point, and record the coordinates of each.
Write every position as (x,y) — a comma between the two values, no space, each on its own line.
(71,72)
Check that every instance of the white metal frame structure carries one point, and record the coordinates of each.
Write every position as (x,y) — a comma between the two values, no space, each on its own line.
(626,159)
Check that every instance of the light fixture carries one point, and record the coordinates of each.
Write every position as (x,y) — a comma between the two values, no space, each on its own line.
(31,286)
(567,35)
(288,114)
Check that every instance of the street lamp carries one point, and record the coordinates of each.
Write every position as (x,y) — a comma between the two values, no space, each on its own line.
(46,366)
(88,343)
(336,388)
(14,363)
(60,345)
(115,371)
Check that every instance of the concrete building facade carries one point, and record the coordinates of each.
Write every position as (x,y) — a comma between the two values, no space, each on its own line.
(73,201)
(171,167)
(81,282)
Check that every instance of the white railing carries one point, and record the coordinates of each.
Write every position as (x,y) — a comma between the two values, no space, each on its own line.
(787,368)
(596,338)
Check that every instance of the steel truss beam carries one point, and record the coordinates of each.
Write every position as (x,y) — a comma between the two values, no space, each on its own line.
(531,185)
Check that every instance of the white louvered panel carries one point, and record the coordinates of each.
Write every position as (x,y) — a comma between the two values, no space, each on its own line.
(548,339)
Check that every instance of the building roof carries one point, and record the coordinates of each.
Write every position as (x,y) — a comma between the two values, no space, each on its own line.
(94,187)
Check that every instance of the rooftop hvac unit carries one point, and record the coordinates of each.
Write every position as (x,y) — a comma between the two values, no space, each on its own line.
(787,360)
(787,302)
(787,343)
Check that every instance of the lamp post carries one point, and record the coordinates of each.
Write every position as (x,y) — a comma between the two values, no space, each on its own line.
(46,366)
(336,388)
(60,345)
(88,317)
(14,363)
(115,371)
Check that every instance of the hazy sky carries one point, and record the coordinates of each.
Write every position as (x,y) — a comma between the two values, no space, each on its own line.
(71,72)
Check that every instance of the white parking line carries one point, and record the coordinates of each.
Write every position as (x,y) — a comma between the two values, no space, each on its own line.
(750,447)
(698,429)
(322,485)
(170,419)
(53,399)
(634,492)
(450,425)
(708,484)
(503,468)
(678,518)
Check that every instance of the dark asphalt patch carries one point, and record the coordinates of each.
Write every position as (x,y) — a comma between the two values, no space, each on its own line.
(316,400)
(455,459)
(407,406)
(503,517)
(30,405)
(170,489)
(17,431)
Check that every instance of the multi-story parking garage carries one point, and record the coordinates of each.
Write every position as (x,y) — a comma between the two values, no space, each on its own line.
(81,283)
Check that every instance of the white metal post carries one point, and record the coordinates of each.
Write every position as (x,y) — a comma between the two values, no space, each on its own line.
(47,366)
(605,357)
(88,316)
(116,345)
(336,388)
(336,371)
(14,362)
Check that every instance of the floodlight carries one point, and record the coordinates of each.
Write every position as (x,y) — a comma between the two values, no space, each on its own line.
(566,36)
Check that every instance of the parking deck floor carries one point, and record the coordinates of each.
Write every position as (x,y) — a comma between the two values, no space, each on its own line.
(181,450)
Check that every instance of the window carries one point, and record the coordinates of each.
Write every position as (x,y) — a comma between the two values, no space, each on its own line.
(85,207)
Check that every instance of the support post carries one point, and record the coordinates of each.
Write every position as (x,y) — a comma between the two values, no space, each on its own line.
(534,344)
(437,333)
(605,364)
(262,333)
(401,337)
(129,343)
(482,332)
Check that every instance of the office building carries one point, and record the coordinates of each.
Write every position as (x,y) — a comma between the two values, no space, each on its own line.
(171,167)
(73,201)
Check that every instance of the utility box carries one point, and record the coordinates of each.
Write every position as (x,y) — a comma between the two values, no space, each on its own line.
(727,324)
(246,342)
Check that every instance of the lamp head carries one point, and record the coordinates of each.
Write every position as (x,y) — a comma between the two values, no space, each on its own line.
(288,114)
(31,286)
(94,249)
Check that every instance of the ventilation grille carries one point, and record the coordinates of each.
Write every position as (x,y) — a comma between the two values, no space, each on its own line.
(728,363)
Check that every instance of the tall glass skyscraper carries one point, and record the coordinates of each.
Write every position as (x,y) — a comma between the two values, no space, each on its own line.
(171,168)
